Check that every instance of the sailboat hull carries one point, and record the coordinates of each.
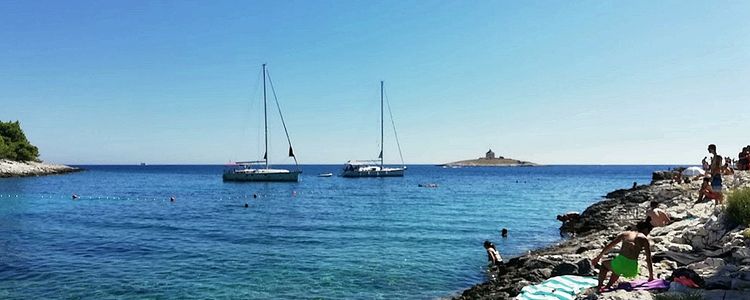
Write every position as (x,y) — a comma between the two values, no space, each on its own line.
(374,173)
(292,176)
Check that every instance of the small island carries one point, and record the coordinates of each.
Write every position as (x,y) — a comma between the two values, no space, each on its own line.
(19,158)
(490,160)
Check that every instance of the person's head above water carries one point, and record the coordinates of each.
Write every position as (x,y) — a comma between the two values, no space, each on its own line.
(644,227)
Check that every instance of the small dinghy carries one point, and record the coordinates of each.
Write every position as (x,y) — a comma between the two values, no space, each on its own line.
(325,174)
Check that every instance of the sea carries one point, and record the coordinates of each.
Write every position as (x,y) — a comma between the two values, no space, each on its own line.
(319,238)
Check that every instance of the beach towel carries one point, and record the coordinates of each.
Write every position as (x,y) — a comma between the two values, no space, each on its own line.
(557,288)
(643,285)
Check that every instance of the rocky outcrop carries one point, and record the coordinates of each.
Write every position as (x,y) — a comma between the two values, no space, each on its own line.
(9,168)
(490,162)
(700,238)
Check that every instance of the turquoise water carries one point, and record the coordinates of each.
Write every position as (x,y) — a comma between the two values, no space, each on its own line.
(319,238)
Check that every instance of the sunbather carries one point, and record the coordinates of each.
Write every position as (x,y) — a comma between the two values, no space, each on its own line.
(707,192)
(656,216)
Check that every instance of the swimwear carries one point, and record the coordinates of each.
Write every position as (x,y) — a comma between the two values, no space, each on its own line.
(716,183)
(497,255)
(624,266)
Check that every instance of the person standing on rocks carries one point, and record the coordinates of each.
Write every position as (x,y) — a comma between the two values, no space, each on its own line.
(716,169)
(625,263)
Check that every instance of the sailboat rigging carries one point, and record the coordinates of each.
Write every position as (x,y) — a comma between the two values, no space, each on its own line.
(260,170)
(371,168)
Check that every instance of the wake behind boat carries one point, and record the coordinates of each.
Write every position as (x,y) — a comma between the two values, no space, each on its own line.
(259,170)
(376,168)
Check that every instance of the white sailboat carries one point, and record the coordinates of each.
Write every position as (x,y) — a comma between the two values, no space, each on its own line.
(376,167)
(259,170)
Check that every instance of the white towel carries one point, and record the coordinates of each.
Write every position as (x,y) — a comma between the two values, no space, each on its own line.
(557,288)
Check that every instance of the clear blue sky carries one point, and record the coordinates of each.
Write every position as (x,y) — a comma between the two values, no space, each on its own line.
(548,81)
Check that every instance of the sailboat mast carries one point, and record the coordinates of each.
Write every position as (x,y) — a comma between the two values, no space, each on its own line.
(265,115)
(382,140)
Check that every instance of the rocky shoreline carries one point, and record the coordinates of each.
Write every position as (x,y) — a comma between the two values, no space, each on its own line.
(9,168)
(721,254)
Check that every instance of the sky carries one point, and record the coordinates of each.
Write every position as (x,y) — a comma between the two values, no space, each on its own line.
(552,82)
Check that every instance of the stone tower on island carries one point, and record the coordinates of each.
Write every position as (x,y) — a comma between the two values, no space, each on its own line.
(489,155)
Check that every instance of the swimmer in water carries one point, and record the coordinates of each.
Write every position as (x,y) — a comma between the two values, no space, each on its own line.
(171,199)
(255,195)
(246,206)
(75,196)
(504,232)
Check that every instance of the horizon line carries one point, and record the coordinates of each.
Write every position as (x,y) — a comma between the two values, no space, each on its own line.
(415,164)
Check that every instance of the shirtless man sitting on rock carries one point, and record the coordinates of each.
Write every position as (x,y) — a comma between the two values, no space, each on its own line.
(656,216)
(626,262)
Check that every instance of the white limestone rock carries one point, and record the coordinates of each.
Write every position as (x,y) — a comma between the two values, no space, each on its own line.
(679,247)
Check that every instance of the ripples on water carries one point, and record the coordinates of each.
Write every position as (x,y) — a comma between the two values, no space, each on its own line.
(319,238)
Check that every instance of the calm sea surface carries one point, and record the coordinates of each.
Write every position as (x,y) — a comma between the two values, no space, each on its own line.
(319,238)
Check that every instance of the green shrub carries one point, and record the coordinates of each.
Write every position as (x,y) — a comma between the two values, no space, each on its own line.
(738,206)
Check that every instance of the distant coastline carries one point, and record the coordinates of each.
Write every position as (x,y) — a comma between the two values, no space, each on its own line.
(19,158)
(490,160)
(10,168)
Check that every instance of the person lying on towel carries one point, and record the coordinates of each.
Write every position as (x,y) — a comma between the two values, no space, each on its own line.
(625,263)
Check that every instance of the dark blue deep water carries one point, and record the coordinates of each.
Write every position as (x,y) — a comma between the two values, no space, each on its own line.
(319,238)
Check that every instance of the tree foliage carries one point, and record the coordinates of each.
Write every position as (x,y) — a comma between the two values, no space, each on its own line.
(13,143)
